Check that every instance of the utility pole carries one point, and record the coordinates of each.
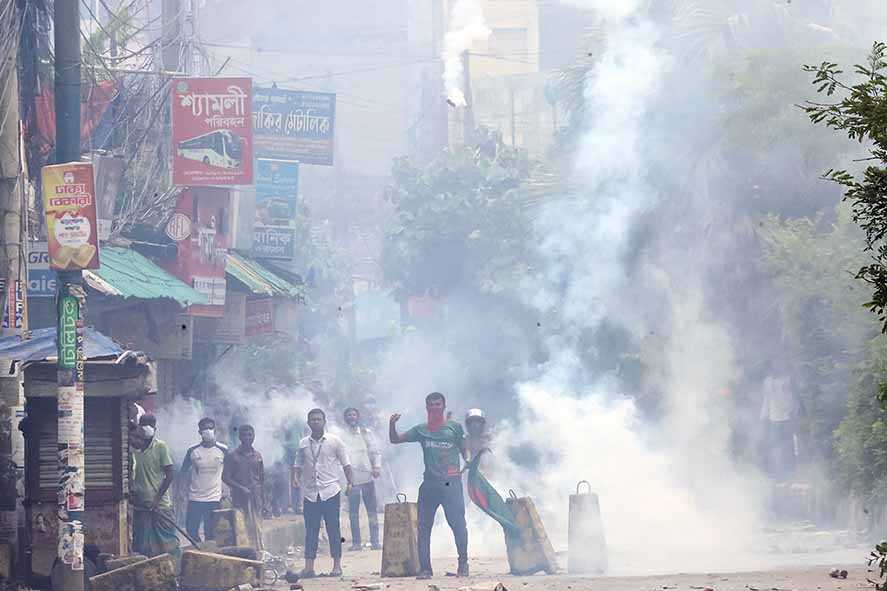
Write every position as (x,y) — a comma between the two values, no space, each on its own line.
(71,302)
(468,111)
(10,258)
(10,168)
(511,96)
(171,49)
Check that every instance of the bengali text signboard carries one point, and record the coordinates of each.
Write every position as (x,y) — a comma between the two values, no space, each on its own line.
(69,206)
(212,131)
(294,125)
(259,317)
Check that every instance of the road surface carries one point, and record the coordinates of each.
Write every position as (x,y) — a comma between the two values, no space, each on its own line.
(362,569)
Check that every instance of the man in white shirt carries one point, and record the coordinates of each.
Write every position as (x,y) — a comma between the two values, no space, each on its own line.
(320,461)
(203,468)
(366,465)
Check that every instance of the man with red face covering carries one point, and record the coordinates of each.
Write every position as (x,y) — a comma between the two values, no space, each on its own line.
(443,442)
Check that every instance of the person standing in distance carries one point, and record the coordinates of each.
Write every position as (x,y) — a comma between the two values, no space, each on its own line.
(320,461)
(366,465)
(443,442)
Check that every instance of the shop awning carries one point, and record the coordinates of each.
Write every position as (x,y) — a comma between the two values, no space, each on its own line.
(127,274)
(42,346)
(258,278)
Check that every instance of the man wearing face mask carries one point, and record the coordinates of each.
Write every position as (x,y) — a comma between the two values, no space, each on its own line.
(366,465)
(153,526)
(443,441)
(203,468)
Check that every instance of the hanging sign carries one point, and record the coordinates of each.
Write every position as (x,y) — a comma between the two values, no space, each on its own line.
(212,131)
(69,206)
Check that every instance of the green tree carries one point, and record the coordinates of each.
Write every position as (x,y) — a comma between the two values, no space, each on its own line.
(828,333)
(459,221)
(861,113)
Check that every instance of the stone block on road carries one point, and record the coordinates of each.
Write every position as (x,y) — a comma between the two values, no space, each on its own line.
(205,571)
(154,574)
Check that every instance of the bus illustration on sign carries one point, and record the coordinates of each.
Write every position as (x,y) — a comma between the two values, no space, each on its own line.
(221,149)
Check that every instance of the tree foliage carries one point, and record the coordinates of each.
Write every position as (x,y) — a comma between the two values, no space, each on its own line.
(861,114)
(828,334)
(460,220)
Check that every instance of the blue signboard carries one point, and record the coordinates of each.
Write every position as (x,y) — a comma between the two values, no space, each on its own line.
(41,279)
(277,188)
(294,125)
(274,242)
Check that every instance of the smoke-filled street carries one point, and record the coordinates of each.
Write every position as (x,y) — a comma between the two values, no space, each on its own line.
(470,295)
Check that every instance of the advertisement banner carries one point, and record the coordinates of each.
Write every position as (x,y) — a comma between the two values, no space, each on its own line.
(203,248)
(41,279)
(294,125)
(69,316)
(277,189)
(259,317)
(108,175)
(274,242)
(69,206)
(212,131)
(15,306)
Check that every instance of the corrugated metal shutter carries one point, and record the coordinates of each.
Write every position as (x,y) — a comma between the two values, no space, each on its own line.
(103,449)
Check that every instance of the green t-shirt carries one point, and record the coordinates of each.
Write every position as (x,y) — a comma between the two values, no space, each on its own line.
(440,449)
(148,474)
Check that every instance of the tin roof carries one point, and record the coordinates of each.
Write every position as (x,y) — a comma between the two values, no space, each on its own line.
(42,346)
(127,274)
(258,278)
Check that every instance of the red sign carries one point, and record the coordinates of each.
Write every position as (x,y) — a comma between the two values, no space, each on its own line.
(259,317)
(212,131)
(203,254)
(69,206)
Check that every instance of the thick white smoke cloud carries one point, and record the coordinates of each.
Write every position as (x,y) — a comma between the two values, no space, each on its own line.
(671,492)
(466,27)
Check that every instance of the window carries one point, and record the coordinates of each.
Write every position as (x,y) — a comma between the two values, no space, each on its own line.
(509,43)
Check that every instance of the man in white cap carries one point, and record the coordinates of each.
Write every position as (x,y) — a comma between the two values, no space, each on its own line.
(477,437)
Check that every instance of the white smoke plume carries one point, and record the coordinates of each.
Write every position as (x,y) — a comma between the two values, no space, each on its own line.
(467,26)
(669,492)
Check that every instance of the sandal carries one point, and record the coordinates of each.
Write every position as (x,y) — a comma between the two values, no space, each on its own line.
(335,573)
(307,574)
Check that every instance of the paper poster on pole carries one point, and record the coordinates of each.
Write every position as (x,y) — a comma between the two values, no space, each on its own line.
(69,207)
(70,415)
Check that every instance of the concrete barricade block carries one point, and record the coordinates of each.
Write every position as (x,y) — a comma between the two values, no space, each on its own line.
(155,574)
(231,528)
(205,571)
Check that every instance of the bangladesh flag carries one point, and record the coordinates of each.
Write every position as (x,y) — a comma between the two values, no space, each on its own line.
(482,493)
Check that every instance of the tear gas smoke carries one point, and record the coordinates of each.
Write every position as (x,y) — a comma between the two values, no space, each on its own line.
(668,492)
(466,27)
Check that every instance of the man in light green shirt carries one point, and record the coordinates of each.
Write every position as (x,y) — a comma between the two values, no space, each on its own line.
(153,528)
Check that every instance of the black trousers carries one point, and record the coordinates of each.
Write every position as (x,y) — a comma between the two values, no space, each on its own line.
(327,510)
(201,512)
(433,494)
(368,492)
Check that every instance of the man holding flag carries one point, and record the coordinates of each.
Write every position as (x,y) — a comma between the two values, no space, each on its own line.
(443,442)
